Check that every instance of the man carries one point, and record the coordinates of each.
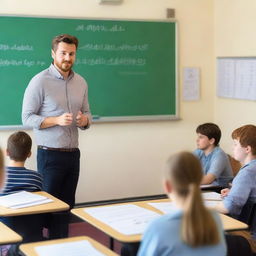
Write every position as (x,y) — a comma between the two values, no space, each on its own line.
(55,103)
(215,162)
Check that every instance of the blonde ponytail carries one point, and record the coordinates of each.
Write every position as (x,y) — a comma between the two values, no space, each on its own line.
(198,226)
(184,171)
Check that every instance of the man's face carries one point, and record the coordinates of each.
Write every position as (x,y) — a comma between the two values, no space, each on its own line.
(64,56)
(203,142)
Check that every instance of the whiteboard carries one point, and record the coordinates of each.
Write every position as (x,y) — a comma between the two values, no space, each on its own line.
(236,77)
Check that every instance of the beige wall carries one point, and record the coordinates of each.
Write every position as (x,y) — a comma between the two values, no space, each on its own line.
(125,159)
(234,36)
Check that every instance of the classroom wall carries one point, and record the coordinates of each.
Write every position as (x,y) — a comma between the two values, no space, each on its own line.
(121,160)
(234,25)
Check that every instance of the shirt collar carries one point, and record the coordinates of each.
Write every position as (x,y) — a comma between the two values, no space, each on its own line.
(55,72)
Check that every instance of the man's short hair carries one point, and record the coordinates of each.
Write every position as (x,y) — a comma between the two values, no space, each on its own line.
(210,130)
(19,146)
(65,38)
(246,135)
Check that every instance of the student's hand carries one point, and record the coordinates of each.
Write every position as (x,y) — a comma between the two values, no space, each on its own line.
(65,119)
(81,119)
(224,192)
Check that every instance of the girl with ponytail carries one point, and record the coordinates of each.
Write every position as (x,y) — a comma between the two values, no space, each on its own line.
(190,229)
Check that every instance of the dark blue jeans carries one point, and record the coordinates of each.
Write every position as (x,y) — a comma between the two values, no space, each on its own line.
(60,171)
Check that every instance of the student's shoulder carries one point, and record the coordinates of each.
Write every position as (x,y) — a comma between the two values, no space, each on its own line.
(219,152)
(198,152)
(32,172)
(167,221)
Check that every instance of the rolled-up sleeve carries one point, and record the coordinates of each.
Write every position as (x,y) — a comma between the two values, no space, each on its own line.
(239,193)
(86,108)
(32,102)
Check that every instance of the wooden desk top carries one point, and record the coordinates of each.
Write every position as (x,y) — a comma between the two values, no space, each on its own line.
(229,224)
(29,249)
(55,206)
(8,236)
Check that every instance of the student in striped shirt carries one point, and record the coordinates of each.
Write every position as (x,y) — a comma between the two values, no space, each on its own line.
(18,178)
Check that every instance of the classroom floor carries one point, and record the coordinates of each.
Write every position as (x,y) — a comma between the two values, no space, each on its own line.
(85,229)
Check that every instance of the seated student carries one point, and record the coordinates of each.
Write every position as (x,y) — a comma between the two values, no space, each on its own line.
(19,178)
(216,165)
(2,172)
(191,229)
(243,188)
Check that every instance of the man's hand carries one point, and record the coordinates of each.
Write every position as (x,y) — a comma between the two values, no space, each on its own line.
(81,119)
(65,119)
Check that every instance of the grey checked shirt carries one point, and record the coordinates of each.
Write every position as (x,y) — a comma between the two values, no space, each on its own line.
(49,94)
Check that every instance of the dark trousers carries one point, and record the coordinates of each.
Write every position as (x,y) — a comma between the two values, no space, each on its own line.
(60,171)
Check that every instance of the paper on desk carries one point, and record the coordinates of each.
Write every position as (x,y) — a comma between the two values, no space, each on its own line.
(208,186)
(212,196)
(23,199)
(211,204)
(126,219)
(78,248)
(164,207)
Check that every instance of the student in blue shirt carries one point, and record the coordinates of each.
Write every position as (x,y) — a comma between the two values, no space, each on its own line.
(2,172)
(243,188)
(191,229)
(216,166)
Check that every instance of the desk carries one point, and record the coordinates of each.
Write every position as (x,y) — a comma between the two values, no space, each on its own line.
(229,224)
(55,206)
(8,236)
(29,249)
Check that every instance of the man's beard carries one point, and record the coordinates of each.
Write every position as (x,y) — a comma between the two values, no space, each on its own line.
(64,66)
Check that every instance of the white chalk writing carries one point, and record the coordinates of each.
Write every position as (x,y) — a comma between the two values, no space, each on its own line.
(15,47)
(100,28)
(112,61)
(27,63)
(113,47)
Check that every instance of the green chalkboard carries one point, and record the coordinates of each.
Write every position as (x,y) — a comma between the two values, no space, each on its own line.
(130,66)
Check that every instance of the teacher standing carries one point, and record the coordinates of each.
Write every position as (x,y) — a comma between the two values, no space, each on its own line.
(55,104)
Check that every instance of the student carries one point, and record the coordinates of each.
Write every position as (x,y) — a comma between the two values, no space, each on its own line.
(19,178)
(2,172)
(190,229)
(216,166)
(243,188)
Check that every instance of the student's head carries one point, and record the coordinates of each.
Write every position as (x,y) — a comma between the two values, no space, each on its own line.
(208,134)
(19,146)
(64,51)
(2,172)
(183,177)
(244,142)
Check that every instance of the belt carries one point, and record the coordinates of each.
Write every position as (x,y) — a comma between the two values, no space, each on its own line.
(58,149)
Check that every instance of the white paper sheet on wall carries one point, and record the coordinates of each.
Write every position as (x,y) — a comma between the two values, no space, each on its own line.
(191,84)
(236,78)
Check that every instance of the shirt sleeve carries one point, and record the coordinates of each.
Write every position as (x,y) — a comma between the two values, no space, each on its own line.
(239,192)
(218,163)
(32,101)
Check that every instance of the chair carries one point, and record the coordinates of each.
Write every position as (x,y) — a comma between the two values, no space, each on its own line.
(237,246)
(235,165)
(248,215)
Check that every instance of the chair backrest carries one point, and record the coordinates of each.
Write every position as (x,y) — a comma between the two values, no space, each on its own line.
(248,215)
(235,165)
(237,246)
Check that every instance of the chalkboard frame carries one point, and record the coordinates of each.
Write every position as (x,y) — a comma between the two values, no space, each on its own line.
(135,118)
